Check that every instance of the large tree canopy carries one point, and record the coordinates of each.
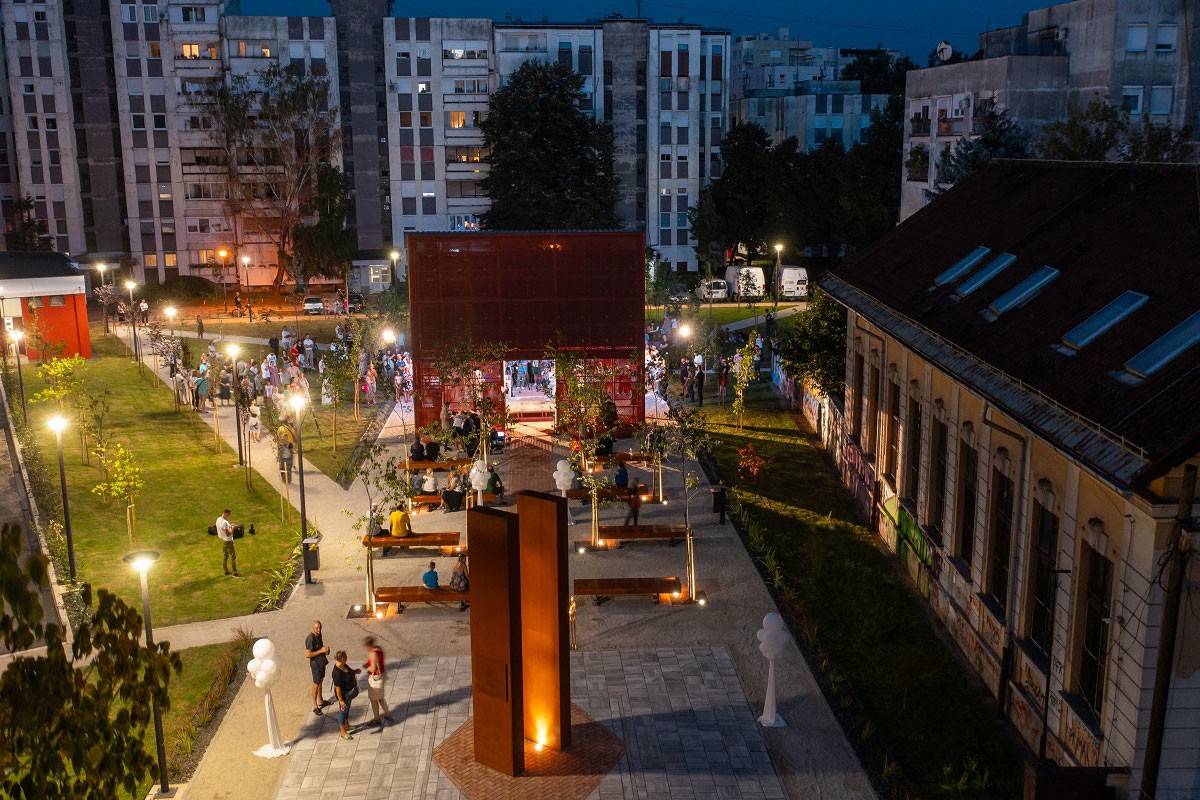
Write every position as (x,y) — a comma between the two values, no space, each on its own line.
(1102,132)
(999,137)
(551,164)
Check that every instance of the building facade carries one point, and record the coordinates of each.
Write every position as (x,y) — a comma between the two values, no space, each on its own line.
(103,124)
(1016,422)
(1135,56)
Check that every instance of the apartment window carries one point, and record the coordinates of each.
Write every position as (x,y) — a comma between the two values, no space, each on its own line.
(169,260)
(1093,653)
(893,431)
(464,189)
(150,13)
(837,104)
(160,122)
(912,450)
(664,133)
(1135,38)
(51,124)
(585,59)
(422,87)
(139,122)
(456,119)
(1164,38)
(1161,98)
(405,119)
(28,88)
(190,51)
(822,103)
(968,488)
(380,274)
(154,47)
(425,119)
(1131,99)
(403,64)
(150,260)
(1045,550)
(39,16)
(681,219)
(55,158)
(937,475)
(564,53)
(664,220)
(1000,537)
(464,155)
(205,257)
(192,14)
(129,14)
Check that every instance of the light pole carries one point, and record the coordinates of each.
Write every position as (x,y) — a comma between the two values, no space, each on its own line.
(395,256)
(17,336)
(174,366)
(141,561)
(224,254)
(101,268)
(778,272)
(3,330)
(237,401)
(130,285)
(246,277)
(297,404)
(57,424)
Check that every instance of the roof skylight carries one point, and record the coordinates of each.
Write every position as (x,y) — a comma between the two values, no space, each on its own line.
(994,268)
(1020,294)
(1162,351)
(1100,322)
(961,267)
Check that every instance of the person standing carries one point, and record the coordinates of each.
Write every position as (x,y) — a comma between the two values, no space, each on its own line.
(317,653)
(225,534)
(635,506)
(376,681)
(273,343)
(286,460)
(345,687)
(700,385)
(200,327)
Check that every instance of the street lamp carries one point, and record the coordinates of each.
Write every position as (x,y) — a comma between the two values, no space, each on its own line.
(141,561)
(246,275)
(395,256)
(130,285)
(3,330)
(170,312)
(297,404)
(101,269)
(388,336)
(17,336)
(174,366)
(57,424)
(224,254)
(237,402)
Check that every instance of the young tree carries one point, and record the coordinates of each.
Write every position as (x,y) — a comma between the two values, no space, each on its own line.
(74,721)
(122,481)
(692,442)
(110,300)
(459,366)
(814,349)
(743,376)
(385,489)
(63,378)
(551,164)
(1000,137)
(341,371)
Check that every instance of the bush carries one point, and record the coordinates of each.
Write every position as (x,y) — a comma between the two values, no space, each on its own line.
(180,288)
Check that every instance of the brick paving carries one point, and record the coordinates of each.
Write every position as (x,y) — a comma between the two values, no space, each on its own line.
(686,727)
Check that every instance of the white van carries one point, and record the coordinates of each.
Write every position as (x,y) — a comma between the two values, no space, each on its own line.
(712,289)
(737,283)
(793,281)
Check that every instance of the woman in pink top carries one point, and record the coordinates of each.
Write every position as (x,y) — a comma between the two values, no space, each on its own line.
(376,680)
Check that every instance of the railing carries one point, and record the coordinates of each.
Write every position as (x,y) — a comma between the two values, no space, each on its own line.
(919,126)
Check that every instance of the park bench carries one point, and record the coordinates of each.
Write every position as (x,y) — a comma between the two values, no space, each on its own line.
(447,541)
(601,589)
(487,498)
(446,463)
(604,493)
(625,533)
(427,500)
(400,595)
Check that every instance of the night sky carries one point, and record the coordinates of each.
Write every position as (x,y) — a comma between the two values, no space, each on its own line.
(914,26)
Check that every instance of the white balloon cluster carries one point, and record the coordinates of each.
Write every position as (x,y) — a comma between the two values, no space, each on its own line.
(564,476)
(262,667)
(773,636)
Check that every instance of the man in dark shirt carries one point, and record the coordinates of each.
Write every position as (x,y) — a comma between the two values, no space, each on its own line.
(318,659)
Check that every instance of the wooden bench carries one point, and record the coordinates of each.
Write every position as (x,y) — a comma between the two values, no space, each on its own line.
(605,493)
(446,541)
(623,457)
(487,498)
(419,594)
(427,500)
(601,589)
(449,463)
(623,533)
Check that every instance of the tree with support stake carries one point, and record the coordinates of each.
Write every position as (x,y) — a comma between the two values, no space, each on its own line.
(691,443)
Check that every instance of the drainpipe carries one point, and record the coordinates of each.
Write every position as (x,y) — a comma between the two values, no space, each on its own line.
(1006,655)
(1177,555)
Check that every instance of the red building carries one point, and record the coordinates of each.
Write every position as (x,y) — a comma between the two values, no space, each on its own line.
(48,288)
(585,290)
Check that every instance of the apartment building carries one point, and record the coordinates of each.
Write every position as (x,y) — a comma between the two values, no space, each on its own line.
(103,124)
(1134,55)
(1017,418)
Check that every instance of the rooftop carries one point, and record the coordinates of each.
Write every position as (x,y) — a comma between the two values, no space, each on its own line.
(25,265)
(1065,293)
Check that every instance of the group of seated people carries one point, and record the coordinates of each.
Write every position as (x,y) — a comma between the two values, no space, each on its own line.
(457,484)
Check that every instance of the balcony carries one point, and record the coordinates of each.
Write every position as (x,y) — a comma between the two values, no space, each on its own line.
(951,126)
(919,126)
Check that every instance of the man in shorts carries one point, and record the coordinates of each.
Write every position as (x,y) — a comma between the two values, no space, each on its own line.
(318,659)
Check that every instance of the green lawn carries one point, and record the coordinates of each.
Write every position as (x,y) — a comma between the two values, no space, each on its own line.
(319,434)
(187,485)
(926,714)
(723,313)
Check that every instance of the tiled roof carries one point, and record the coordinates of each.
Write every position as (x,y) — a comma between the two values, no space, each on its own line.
(20,265)
(1103,229)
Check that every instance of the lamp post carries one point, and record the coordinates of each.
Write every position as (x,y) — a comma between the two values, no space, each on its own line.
(778,272)
(3,330)
(174,366)
(141,561)
(57,424)
(237,402)
(246,277)
(224,254)
(101,268)
(130,285)
(17,336)
(395,256)
(297,404)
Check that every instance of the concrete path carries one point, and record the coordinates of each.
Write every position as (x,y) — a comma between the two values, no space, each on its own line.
(760,318)
(812,755)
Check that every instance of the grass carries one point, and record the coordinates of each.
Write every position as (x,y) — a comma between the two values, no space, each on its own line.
(318,434)
(187,690)
(924,712)
(187,485)
(724,313)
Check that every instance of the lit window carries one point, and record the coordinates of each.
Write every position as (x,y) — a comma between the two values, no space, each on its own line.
(169,259)
(1022,293)
(1174,343)
(1092,327)
(423,87)
(456,119)
(191,51)
(1135,38)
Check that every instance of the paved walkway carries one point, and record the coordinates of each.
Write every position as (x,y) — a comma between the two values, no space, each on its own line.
(812,756)
(760,318)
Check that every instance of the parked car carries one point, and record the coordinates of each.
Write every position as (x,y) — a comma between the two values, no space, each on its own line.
(356,302)
(793,281)
(314,305)
(679,295)
(712,289)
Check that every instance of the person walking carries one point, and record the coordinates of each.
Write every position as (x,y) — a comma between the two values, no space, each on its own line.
(200,326)
(635,506)
(345,688)
(225,533)
(722,381)
(317,653)
(376,681)
(145,309)
(287,459)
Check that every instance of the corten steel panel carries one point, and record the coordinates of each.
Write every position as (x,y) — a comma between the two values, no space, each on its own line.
(584,289)
(544,599)
(496,672)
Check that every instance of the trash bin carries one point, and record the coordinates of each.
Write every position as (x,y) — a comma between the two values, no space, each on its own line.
(312,555)
(718,498)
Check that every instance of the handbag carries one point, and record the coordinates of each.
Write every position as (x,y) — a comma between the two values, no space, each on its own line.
(212,530)
(375,681)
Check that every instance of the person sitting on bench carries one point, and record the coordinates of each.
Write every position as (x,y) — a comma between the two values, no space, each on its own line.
(452,495)
(622,477)
(417,451)
(432,451)
(430,578)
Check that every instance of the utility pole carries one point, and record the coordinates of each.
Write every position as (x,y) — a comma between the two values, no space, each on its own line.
(1176,556)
